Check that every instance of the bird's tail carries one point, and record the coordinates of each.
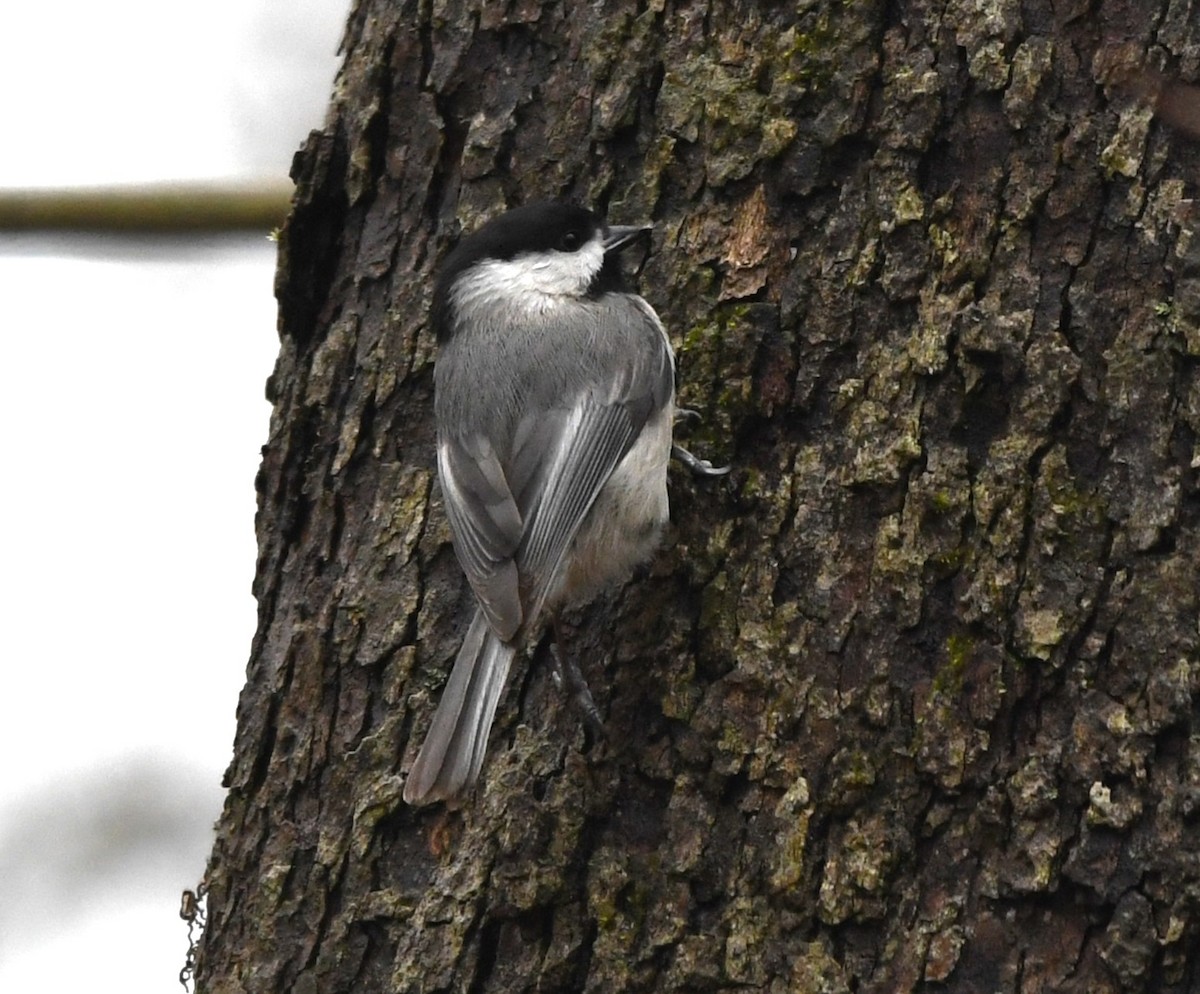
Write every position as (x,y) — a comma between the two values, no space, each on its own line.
(452,754)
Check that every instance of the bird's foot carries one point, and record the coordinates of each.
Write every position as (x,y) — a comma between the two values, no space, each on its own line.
(698,466)
(569,680)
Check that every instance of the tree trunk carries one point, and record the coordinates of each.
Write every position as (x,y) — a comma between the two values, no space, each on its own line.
(909,697)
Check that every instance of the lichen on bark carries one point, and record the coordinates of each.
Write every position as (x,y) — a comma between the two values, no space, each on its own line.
(906,700)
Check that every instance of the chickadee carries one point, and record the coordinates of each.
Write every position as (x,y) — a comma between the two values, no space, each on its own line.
(554,400)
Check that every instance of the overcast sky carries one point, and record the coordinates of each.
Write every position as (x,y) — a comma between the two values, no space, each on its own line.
(131,386)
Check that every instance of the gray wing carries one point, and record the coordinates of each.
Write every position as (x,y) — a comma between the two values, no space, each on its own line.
(593,440)
(487,527)
(515,504)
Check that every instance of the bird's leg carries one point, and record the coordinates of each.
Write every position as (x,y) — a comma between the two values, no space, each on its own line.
(698,466)
(568,678)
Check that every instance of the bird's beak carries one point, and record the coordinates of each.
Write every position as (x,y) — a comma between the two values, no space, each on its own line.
(621,235)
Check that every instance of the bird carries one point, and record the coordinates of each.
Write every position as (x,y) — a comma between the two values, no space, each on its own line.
(554,400)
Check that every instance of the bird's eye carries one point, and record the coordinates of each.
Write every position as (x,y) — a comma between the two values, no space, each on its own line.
(570,242)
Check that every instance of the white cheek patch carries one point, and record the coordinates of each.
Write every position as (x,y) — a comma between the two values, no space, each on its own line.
(530,278)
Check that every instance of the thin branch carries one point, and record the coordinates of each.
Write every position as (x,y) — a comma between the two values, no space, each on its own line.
(168,207)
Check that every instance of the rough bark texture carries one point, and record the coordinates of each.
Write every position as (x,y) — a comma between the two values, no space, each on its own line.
(908,700)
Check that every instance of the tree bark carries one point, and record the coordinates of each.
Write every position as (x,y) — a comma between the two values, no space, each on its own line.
(908,701)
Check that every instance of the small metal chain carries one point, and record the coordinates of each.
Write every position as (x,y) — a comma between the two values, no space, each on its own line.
(193,911)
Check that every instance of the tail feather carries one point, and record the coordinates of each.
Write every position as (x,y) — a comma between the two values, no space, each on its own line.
(451,757)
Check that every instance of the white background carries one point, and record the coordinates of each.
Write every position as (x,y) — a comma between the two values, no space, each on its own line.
(131,398)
